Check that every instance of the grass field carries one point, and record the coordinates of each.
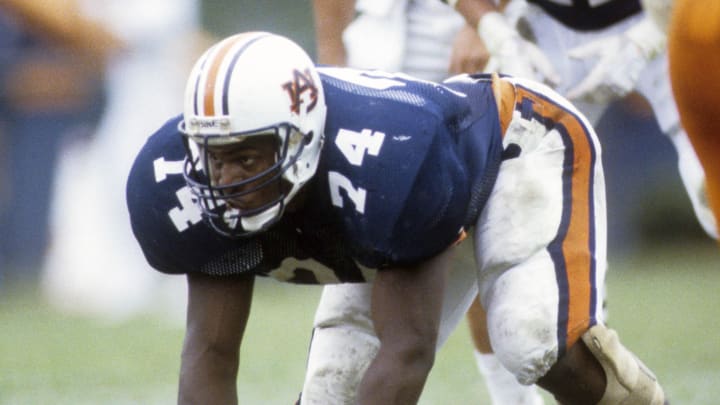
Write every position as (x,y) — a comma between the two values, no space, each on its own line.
(664,303)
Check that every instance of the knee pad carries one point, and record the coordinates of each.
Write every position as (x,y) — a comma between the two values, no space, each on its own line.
(521,319)
(629,381)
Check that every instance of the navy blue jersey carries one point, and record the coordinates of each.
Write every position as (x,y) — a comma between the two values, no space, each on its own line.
(405,166)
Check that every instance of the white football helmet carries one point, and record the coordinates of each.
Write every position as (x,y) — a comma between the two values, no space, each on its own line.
(252,84)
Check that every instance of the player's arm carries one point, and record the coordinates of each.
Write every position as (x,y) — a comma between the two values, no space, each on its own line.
(331,19)
(217,313)
(473,10)
(406,309)
(510,53)
(469,54)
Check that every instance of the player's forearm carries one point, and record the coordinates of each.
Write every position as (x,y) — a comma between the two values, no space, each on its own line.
(406,310)
(208,377)
(218,309)
(331,19)
(393,378)
(473,10)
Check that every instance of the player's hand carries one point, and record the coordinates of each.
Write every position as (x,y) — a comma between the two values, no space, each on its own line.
(469,54)
(512,54)
(620,60)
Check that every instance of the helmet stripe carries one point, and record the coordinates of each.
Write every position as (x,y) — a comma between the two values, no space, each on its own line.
(214,71)
(196,89)
(209,94)
(226,85)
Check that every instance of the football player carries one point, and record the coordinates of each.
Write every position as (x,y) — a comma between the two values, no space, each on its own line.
(337,175)
(694,50)
(428,40)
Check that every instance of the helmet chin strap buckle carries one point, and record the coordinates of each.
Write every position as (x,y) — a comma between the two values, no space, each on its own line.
(230,216)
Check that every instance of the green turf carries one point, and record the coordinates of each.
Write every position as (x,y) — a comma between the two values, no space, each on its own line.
(665,305)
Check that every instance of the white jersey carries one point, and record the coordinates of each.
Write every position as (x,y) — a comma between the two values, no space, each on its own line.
(410,36)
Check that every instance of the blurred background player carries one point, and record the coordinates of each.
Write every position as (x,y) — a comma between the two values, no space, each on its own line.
(52,63)
(599,54)
(94,265)
(694,49)
(429,40)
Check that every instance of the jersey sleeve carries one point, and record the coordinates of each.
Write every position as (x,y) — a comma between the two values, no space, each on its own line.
(166,222)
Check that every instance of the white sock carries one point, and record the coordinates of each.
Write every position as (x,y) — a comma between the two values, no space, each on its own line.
(503,387)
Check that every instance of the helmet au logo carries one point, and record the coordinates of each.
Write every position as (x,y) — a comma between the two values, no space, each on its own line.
(302,83)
